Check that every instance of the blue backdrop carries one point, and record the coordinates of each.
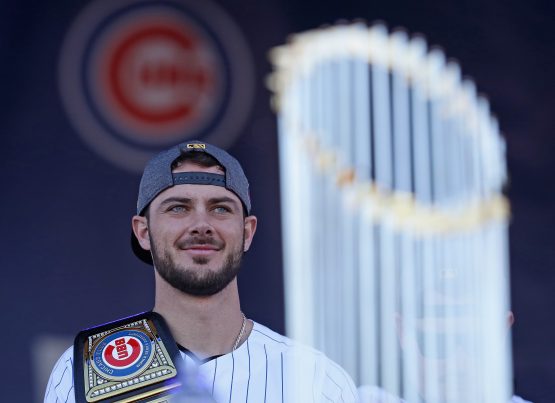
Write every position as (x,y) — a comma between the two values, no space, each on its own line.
(66,209)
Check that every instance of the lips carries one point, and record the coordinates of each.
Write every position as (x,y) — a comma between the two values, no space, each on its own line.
(200,246)
(201,249)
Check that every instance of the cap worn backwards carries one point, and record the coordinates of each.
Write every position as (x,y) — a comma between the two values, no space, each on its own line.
(158,176)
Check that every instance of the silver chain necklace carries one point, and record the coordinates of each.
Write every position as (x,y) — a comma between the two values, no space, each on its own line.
(240,336)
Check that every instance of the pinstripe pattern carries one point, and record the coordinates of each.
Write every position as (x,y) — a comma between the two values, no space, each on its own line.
(271,368)
(268,368)
(282,398)
(60,384)
(265,373)
(249,378)
(214,377)
(232,373)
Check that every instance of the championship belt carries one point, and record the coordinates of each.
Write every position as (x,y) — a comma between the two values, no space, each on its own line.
(129,360)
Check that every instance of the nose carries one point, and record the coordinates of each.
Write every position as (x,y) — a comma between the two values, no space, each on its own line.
(201,225)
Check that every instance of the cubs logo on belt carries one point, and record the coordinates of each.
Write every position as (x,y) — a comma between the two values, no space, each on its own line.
(129,360)
(122,354)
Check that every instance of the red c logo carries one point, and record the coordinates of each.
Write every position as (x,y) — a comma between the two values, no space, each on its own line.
(125,357)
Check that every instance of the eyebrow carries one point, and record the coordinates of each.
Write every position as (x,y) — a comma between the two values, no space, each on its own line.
(176,199)
(224,199)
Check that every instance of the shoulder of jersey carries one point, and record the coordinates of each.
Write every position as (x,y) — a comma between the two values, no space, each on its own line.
(263,335)
(67,354)
(296,350)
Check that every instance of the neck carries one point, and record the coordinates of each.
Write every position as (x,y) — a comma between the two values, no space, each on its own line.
(205,325)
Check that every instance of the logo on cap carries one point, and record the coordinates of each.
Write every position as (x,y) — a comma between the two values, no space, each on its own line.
(195,145)
(122,354)
(137,77)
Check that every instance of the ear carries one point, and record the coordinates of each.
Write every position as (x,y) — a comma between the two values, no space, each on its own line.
(250,229)
(140,229)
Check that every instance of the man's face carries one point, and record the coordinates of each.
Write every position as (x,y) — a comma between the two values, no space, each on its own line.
(197,235)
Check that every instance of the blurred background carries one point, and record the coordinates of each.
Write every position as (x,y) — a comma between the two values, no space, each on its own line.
(89,92)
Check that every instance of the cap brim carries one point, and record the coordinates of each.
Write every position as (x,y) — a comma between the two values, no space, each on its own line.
(141,253)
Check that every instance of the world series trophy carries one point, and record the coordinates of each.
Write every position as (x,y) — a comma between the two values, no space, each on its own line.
(394,221)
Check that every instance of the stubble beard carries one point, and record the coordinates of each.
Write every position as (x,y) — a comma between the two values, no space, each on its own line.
(197,281)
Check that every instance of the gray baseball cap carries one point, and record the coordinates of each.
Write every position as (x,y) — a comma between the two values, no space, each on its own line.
(158,176)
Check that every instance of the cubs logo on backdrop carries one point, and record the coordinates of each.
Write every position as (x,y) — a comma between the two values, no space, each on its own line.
(138,76)
(122,354)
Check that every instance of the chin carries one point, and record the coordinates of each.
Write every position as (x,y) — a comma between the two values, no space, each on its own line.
(201,260)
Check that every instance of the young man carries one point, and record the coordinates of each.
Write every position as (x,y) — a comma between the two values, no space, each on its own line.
(193,224)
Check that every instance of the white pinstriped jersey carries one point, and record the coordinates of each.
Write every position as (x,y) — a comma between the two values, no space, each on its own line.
(266,368)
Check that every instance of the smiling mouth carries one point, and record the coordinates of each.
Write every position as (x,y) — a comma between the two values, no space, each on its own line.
(201,249)
(200,243)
